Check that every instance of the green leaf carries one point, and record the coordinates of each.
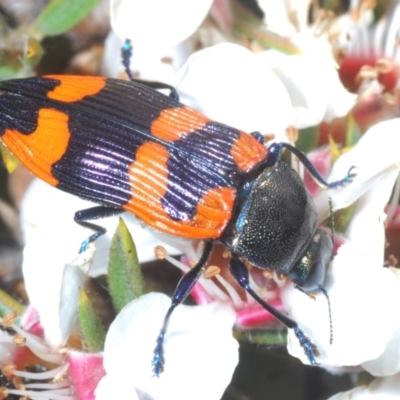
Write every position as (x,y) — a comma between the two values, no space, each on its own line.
(8,159)
(8,305)
(60,15)
(353,133)
(308,139)
(245,23)
(92,328)
(269,337)
(33,52)
(343,217)
(124,274)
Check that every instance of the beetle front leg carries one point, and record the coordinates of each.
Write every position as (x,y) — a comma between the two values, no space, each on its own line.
(241,275)
(183,289)
(82,217)
(274,153)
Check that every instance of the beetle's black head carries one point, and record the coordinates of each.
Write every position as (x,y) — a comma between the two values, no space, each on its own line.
(310,273)
(276,221)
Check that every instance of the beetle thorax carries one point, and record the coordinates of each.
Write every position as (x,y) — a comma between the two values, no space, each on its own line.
(276,220)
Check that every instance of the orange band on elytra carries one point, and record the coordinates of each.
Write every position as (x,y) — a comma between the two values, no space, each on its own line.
(173,123)
(39,150)
(74,88)
(247,152)
(149,180)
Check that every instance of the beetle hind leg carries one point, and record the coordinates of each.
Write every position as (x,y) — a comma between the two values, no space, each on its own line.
(183,289)
(241,275)
(82,217)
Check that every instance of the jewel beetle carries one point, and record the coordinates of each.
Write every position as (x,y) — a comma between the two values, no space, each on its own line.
(127,147)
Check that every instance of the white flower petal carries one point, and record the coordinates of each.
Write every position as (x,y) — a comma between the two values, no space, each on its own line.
(314,87)
(276,17)
(375,155)
(73,279)
(229,84)
(380,389)
(146,63)
(45,256)
(388,363)
(198,347)
(361,294)
(157,23)
(109,388)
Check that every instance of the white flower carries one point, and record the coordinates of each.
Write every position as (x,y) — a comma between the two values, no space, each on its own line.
(363,294)
(161,33)
(229,84)
(198,347)
(157,23)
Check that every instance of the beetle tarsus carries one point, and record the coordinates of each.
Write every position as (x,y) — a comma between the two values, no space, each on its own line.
(126,53)
(183,289)
(158,358)
(310,349)
(83,216)
(89,240)
(351,174)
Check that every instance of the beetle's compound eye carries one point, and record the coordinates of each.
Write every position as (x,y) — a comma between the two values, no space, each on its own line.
(309,275)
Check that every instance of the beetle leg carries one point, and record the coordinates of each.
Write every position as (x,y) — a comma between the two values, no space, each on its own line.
(81,218)
(160,85)
(241,274)
(183,289)
(275,150)
(126,53)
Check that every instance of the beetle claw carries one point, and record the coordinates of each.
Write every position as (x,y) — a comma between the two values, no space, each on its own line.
(310,349)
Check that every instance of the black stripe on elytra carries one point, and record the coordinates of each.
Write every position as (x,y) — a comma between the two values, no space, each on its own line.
(20,100)
(198,162)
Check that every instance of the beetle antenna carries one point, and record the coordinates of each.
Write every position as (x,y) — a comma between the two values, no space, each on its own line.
(126,53)
(330,314)
(332,220)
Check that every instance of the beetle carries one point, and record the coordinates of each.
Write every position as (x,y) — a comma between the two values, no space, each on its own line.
(126,146)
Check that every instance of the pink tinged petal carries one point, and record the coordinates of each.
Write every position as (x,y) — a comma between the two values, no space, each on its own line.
(379,389)
(30,322)
(157,23)
(376,155)
(388,363)
(221,13)
(229,84)
(253,315)
(198,336)
(321,159)
(200,295)
(85,372)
